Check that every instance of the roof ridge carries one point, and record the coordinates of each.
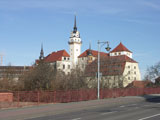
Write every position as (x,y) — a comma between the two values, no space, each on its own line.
(120,48)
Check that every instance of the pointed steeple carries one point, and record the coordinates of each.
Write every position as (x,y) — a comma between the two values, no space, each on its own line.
(75,27)
(41,53)
(89,51)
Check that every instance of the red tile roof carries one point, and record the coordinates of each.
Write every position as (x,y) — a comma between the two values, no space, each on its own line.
(120,48)
(56,56)
(109,65)
(94,53)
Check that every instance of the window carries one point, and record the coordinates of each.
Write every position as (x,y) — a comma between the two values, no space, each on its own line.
(134,67)
(63,66)
(64,58)
(135,72)
(68,58)
(128,66)
(115,53)
(134,78)
(68,66)
(129,72)
(82,58)
(128,78)
(119,53)
(77,49)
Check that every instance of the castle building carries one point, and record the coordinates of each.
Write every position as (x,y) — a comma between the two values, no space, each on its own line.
(115,66)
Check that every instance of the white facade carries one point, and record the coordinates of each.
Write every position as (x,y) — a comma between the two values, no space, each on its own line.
(129,54)
(131,73)
(63,65)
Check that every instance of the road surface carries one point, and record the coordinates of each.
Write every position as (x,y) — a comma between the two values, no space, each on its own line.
(137,111)
(126,108)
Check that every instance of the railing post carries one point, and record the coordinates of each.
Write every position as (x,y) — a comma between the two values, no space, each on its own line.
(38,97)
(18,99)
(54,96)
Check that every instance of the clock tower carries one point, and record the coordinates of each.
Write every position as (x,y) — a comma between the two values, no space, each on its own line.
(75,44)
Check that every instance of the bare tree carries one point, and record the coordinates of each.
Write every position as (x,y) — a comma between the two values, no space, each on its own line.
(73,81)
(153,72)
(40,77)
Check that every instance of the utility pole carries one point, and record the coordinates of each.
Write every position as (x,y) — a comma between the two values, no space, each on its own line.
(98,72)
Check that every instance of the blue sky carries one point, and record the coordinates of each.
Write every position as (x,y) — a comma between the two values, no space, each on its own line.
(25,24)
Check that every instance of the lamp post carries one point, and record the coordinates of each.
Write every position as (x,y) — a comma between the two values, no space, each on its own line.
(98,73)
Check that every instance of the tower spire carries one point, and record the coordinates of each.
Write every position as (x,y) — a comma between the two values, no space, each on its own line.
(75,27)
(89,51)
(90,45)
(41,53)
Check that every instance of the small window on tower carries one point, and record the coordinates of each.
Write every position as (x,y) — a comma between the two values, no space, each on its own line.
(115,53)
(77,49)
(68,58)
(63,66)
(119,53)
(64,58)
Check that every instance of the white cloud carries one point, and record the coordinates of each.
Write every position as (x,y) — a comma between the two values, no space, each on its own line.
(153,5)
(140,21)
(84,6)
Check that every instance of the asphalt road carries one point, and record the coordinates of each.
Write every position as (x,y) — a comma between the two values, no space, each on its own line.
(123,108)
(146,110)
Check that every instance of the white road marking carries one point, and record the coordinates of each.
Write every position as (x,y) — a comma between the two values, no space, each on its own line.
(108,113)
(76,119)
(131,105)
(122,106)
(149,117)
(146,105)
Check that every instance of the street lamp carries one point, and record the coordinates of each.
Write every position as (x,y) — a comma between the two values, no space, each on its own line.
(98,73)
